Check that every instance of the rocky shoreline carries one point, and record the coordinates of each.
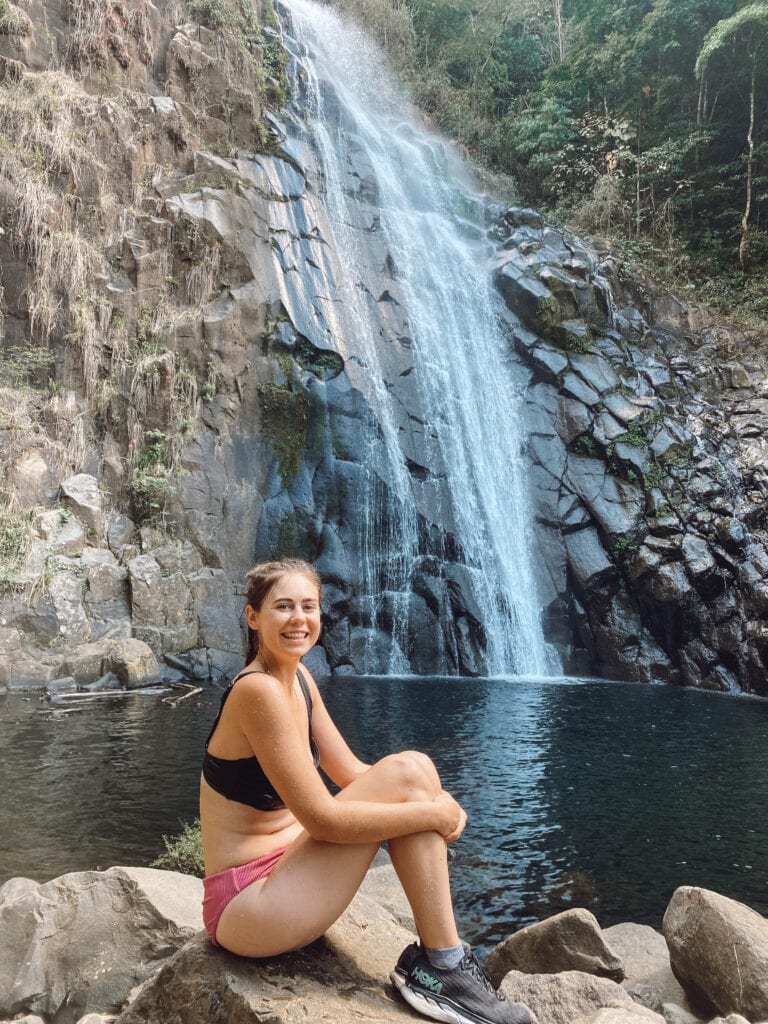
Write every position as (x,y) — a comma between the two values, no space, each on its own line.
(125,945)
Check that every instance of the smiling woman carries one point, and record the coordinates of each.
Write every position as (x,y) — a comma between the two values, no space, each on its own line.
(283,858)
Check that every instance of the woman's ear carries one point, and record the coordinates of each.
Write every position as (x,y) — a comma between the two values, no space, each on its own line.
(251,617)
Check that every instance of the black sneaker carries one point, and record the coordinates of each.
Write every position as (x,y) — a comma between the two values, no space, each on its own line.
(399,975)
(464,995)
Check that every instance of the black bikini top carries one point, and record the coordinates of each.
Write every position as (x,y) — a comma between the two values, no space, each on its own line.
(242,778)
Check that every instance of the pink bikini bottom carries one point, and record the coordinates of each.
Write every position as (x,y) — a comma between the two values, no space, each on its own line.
(222,887)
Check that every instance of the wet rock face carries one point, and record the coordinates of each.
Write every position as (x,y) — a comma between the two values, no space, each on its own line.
(648,465)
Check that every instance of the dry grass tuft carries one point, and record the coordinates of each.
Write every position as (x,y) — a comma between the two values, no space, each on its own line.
(201,280)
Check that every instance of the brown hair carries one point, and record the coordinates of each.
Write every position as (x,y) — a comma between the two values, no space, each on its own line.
(260,581)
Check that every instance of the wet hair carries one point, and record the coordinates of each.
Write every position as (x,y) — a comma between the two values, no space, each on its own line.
(260,581)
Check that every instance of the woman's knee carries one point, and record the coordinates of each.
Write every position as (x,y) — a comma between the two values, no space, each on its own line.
(412,775)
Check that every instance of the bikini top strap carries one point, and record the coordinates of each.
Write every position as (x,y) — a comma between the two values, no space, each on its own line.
(224,701)
(308,698)
(304,689)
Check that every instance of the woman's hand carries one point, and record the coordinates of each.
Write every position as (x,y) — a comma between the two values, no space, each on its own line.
(455,817)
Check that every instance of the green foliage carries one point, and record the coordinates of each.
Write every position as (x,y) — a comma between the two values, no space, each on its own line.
(632,121)
(388,23)
(625,550)
(15,535)
(635,435)
(747,29)
(235,15)
(150,477)
(184,852)
(22,365)
(653,478)
(239,17)
(13,21)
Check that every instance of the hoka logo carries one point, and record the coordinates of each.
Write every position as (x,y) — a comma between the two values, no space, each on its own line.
(427,980)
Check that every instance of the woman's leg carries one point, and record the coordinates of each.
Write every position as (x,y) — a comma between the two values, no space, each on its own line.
(315,881)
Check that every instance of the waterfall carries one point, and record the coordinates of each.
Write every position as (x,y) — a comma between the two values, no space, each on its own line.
(449,435)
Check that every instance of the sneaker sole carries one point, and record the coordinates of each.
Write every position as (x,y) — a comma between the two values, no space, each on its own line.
(429,1006)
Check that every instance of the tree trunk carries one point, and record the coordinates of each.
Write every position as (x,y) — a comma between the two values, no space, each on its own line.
(750,167)
(700,106)
(558,12)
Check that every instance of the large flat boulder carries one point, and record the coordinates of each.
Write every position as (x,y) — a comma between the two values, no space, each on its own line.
(718,949)
(82,942)
(341,978)
(571,941)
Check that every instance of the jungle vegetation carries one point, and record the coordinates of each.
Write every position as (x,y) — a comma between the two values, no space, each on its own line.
(642,120)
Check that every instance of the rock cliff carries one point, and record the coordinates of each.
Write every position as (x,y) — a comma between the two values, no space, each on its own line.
(647,439)
(180,391)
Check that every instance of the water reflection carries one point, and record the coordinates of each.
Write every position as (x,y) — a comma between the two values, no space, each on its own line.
(592,794)
(98,787)
(588,794)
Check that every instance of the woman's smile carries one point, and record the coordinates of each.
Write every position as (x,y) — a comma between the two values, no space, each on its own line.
(289,618)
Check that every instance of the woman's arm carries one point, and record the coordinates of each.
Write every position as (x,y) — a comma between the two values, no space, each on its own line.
(266,715)
(336,759)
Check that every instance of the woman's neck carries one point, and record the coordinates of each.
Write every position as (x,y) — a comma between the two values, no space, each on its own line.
(283,670)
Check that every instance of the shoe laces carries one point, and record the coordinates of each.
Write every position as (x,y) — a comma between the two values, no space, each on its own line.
(470,963)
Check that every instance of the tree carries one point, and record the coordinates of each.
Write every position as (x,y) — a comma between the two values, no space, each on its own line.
(747,32)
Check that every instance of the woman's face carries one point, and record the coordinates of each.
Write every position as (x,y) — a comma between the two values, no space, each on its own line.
(288,622)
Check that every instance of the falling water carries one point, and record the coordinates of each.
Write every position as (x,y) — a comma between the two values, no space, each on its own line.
(466,397)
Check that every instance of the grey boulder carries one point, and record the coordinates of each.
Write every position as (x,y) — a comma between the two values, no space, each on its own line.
(718,949)
(565,997)
(645,956)
(340,978)
(80,943)
(571,941)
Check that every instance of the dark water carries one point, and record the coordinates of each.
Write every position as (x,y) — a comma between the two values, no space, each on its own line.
(592,794)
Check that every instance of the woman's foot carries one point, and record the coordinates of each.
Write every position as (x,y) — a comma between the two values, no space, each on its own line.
(464,995)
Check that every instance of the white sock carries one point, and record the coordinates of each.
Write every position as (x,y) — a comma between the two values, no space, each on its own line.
(447,958)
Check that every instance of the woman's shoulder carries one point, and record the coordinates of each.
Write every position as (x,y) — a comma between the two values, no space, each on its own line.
(253,685)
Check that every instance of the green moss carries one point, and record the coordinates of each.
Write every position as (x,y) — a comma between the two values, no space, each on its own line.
(288,537)
(284,410)
(239,17)
(338,448)
(183,853)
(585,445)
(653,476)
(322,362)
(294,416)
(679,455)
(635,435)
